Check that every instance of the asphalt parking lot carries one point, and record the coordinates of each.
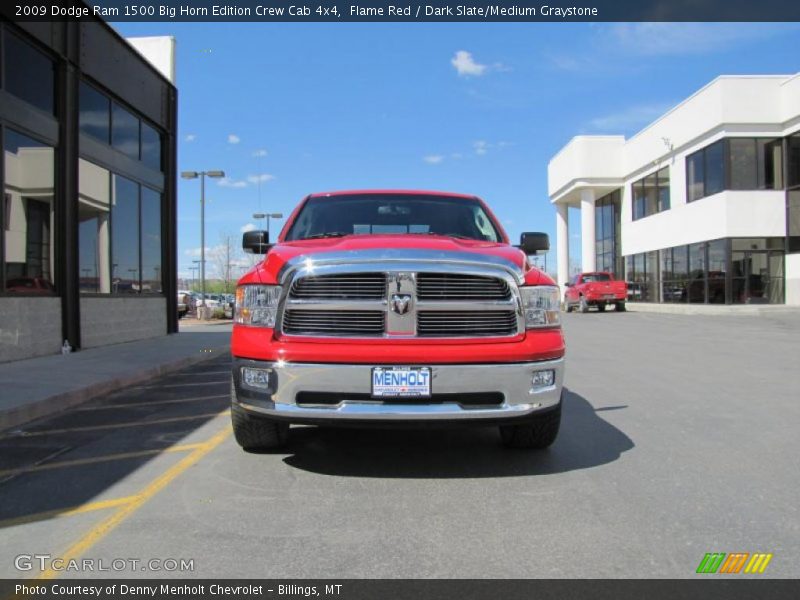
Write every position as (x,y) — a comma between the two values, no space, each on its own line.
(680,437)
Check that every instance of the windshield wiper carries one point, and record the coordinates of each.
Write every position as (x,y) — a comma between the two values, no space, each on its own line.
(329,234)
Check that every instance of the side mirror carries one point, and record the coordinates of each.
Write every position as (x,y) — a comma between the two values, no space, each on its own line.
(256,242)
(532,242)
(567,285)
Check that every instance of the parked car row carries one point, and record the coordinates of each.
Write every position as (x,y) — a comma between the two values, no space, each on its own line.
(188,301)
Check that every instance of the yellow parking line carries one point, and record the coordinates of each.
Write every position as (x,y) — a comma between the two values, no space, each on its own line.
(112,426)
(152,402)
(102,529)
(67,512)
(98,459)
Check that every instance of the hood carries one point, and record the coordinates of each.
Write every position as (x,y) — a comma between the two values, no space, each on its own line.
(370,248)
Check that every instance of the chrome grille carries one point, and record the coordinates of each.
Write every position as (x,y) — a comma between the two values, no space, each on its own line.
(473,323)
(366,323)
(454,286)
(350,286)
(401,303)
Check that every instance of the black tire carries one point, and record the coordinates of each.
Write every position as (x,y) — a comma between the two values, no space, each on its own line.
(620,307)
(533,435)
(583,304)
(601,307)
(567,307)
(257,433)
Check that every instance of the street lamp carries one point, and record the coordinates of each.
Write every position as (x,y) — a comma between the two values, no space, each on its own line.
(194,271)
(267,217)
(202,175)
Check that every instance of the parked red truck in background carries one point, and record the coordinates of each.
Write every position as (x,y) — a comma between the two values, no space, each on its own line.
(396,308)
(595,289)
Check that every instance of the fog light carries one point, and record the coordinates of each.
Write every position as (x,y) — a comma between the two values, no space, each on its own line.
(257,378)
(543,379)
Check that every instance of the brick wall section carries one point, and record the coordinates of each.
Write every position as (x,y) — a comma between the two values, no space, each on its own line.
(29,327)
(116,320)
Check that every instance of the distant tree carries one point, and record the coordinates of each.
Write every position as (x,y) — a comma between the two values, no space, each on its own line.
(225,257)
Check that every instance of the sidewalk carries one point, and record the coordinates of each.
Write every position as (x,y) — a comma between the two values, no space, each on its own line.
(756,310)
(36,387)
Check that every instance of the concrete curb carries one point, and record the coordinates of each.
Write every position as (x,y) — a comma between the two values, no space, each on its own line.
(60,402)
(751,310)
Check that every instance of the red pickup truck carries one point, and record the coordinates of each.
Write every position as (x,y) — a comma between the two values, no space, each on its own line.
(595,289)
(396,308)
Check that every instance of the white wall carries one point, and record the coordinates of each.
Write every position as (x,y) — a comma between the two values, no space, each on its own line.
(727,214)
(793,279)
(159,51)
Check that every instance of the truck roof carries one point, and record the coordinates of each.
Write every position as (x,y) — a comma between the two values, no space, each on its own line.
(398,192)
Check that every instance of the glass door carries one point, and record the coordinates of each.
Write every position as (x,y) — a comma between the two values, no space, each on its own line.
(757,277)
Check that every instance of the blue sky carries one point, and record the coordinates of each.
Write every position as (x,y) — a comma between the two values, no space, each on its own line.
(475,108)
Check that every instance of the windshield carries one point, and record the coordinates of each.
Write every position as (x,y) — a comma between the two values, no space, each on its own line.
(375,214)
(596,277)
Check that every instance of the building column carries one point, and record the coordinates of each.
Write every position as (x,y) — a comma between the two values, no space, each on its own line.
(562,243)
(588,256)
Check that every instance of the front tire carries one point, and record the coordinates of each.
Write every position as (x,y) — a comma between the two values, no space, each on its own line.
(533,435)
(584,306)
(257,433)
(620,307)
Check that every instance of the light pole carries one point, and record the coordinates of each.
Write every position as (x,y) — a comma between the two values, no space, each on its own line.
(267,217)
(194,271)
(202,175)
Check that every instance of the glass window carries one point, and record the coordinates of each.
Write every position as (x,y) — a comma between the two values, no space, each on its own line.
(94,232)
(28,214)
(717,269)
(151,241)
(715,168)
(639,200)
(663,189)
(151,147)
(695,176)
(651,277)
(697,273)
(650,195)
(770,164)
(124,131)
(793,224)
(28,73)
(743,164)
(793,145)
(391,213)
(124,236)
(95,113)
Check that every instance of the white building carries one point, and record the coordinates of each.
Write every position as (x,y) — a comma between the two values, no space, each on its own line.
(703,205)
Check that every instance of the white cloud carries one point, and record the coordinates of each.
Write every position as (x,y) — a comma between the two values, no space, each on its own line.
(232,183)
(233,138)
(632,118)
(260,178)
(190,137)
(433,159)
(196,251)
(248,227)
(260,153)
(692,38)
(466,66)
(481,147)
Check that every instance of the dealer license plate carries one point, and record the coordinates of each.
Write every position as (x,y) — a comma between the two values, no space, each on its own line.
(401,382)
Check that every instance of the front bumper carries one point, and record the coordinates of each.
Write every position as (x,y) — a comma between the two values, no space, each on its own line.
(511,381)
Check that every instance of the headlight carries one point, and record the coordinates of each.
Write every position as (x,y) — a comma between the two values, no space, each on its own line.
(541,305)
(257,305)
